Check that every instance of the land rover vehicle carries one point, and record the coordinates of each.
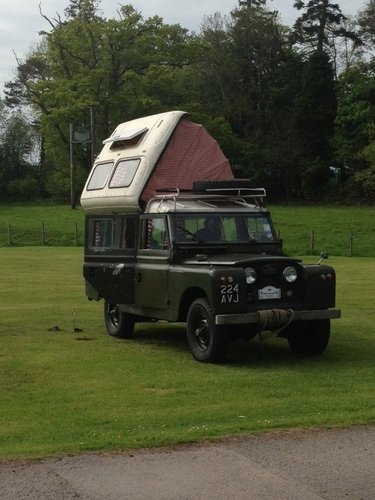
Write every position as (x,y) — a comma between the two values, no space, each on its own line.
(202,251)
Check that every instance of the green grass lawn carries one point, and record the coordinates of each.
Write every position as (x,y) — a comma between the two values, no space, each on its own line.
(22,224)
(332,226)
(69,392)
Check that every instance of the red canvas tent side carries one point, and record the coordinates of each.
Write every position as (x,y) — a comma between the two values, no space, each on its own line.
(191,154)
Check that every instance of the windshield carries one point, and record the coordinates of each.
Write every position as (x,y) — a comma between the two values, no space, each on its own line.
(231,228)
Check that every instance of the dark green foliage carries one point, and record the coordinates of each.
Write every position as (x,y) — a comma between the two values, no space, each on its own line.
(278,110)
(315,123)
(18,175)
(319,24)
(366,21)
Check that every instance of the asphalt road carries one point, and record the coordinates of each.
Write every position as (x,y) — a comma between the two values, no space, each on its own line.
(305,465)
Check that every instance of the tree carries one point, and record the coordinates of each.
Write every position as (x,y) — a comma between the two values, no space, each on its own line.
(366,20)
(252,3)
(87,61)
(17,141)
(354,125)
(83,9)
(366,177)
(245,71)
(320,25)
(316,114)
(239,65)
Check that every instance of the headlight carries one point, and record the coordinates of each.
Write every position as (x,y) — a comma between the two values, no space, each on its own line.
(251,275)
(290,274)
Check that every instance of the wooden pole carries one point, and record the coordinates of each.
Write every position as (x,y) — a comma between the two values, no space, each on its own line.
(92,133)
(76,233)
(72,187)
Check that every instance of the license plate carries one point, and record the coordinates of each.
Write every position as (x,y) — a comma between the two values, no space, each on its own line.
(269,292)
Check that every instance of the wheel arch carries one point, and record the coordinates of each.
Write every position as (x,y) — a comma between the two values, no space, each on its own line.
(188,297)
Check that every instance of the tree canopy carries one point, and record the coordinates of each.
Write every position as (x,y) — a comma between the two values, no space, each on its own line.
(271,95)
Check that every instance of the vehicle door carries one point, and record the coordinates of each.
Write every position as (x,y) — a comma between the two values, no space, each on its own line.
(152,268)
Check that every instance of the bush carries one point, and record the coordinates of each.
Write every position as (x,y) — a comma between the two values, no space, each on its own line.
(24,188)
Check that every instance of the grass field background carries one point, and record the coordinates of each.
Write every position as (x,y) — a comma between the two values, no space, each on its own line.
(70,392)
(339,230)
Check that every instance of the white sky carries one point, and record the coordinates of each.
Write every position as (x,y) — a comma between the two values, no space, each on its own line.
(20,20)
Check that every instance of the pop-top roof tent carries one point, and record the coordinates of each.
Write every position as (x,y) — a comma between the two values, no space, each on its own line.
(155,152)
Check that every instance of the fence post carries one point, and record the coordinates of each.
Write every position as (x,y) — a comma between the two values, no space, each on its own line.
(9,236)
(351,238)
(312,240)
(76,233)
(43,235)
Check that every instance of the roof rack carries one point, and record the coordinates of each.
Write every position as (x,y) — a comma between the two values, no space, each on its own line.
(237,195)
(242,192)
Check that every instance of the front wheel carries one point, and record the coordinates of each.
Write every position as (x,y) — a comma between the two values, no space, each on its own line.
(118,323)
(206,340)
(309,338)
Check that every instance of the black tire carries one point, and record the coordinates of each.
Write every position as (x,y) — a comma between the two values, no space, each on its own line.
(118,324)
(204,185)
(206,340)
(309,338)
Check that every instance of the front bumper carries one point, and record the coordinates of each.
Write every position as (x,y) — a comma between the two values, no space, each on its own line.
(255,317)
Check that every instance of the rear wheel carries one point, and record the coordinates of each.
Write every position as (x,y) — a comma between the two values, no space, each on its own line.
(309,338)
(206,340)
(118,323)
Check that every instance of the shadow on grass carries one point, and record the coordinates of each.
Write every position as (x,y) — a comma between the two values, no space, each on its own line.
(257,352)
(262,351)
(170,336)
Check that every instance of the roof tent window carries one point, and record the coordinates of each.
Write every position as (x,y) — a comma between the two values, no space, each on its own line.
(124,173)
(99,176)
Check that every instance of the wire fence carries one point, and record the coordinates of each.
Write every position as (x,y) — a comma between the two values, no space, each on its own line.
(345,243)
(68,234)
(304,243)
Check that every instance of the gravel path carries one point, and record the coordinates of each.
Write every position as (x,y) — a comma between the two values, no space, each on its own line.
(310,465)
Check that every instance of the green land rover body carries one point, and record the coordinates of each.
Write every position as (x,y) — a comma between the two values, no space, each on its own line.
(158,266)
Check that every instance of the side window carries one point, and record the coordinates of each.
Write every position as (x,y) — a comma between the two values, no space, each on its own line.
(128,233)
(267,230)
(100,234)
(259,228)
(154,234)
(115,233)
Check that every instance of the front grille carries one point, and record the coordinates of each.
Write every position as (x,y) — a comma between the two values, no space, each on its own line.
(269,269)
(270,274)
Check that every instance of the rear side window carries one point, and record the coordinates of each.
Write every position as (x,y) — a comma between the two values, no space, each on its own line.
(111,233)
(99,176)
(101,234)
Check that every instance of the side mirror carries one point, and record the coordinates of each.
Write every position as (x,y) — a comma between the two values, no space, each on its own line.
(323,256)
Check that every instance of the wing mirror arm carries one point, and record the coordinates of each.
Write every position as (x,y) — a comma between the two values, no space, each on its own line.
(323,256)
